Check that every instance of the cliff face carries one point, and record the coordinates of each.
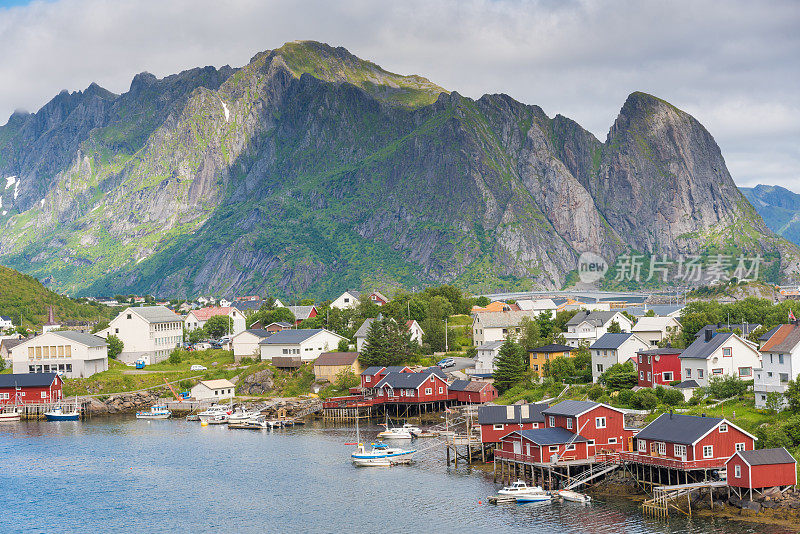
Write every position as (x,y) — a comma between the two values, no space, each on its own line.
(779,207)
(310,170)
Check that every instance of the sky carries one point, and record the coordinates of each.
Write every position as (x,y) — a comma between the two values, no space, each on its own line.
(734,65)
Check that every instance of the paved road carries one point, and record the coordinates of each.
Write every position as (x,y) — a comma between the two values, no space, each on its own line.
(461,364)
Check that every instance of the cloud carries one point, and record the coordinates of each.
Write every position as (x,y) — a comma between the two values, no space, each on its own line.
(732,64)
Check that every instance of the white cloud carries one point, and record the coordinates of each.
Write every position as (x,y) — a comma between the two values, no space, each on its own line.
(733,64)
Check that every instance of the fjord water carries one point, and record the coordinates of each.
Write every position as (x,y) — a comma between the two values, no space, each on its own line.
(124,475)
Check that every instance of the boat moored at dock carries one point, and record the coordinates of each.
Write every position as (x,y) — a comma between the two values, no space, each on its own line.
(60,414)
(155,412)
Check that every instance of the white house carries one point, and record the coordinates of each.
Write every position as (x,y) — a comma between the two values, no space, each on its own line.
(348,299)
(69,353)
(538,306)
(484,360)
(5,322)
(245,343)
(363,330)
(587,327)
(416,331)
(723,353)
(653,330)
(198,318)
(497,326)
(307,343)
(613,348)
(780,362)
(213,390)
(148,332)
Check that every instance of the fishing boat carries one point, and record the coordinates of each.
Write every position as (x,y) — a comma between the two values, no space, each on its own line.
(9,415)
(380,455)
(395,433)
(219,419)
(214,411)
(574,496)
(519,488)
(155,412)
(415,431)
(59,414)
(240,415)
(533,497)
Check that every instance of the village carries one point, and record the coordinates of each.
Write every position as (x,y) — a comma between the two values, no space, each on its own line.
(562,393)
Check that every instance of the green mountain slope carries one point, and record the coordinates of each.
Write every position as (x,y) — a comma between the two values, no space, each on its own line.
(779,207)
(310,170)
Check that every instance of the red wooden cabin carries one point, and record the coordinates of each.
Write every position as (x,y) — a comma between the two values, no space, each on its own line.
(763,468)
(658,366)
(498,421)
(689,442)
(403,388)
(374,374)
(467,392)
(603,426)
(540,445)
(30,388)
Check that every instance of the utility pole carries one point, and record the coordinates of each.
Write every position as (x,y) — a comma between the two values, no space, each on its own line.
(446,346)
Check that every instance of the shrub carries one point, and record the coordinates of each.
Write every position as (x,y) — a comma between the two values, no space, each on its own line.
(175,357)
(725,387)
(672,397)
(624,397)
(644,399)
(595,392)
(605,399)
(771,437)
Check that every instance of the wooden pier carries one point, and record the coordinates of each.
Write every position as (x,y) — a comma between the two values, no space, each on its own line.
(33,411)
(666,497)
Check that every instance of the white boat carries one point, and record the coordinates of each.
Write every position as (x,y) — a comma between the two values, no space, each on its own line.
(242,415)
(395,433)
(381,455)
(413,430)
(574,496)
(519,488)
(534,497)
(59,414)
(255,423)
(219,419)
(9,415)
(214,411)
(155,412)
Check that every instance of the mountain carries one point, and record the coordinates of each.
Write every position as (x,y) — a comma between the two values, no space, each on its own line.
(779,207)
(309,170)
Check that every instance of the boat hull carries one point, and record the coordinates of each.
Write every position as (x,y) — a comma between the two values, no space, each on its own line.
(522,499)
(9,416)
(62,416)
(573,496)
(153,416)
(366,459)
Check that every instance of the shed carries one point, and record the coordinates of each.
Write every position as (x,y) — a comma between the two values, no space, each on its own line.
(213,390)
(330,364)
(763,468)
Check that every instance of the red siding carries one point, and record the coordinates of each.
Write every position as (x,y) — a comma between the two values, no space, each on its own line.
(586,427)
(531,452)
(763,476)
(659,363)
(32,395)
(419,395)
(724,443)
(487,394)
(491,435)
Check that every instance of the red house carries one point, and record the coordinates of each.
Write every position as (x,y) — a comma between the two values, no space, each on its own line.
(378,298)
(476,392)
(411,388)
(30,388)
(603,426)
(658,366)
(689,442)
(374,374)
(764,468)
(499,421)
(542,444)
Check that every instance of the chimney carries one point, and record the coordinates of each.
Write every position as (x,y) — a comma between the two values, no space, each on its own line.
(709,335)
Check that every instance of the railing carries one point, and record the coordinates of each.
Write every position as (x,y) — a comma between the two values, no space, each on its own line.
(662,461)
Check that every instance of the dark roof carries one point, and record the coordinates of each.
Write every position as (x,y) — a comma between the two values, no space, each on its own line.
(665,350)
(767,456)
(702,349)
(745,328)
(247,305)
(675,428)
(768,334)
(89,340)
(395,368)
(290,337)
(495,415)
(336,358)
(466,385)
(11,343)
(570,408)
(436,370)
(154,314)
(687,384)
(597,318)
(27,380)
(553,347)
(287,361)
(363,330)
(550,436)
(372,370)
(611,341)
(260,332)
(403,380)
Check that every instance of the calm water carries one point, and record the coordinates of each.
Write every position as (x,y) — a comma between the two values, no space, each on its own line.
(124,475)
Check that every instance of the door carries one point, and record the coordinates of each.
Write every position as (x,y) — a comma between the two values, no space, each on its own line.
(517,447)
(630,444)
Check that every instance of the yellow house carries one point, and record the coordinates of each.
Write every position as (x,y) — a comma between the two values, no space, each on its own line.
(330,364)
(540,355)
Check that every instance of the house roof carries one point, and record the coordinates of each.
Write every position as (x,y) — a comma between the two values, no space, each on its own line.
(687,384)
(665,350)
(745,328)
(372,370)
(204,314)
(364,328)
(766,456)
(652,324)
(611,341)
(283,324)
(79,337)
(403,380)
(301,313)
(503,319)
(396,368)
(291,337)
(495,415)
(336,358)
(11,343)
(784,339)
(769,333)
(598,318)
(702,349)
(435,370)
(247,305)
(27,380)
(5,318)
(571,408)
(492,345)
(259,332)
(155,314)
(553,347)
(352,293)
(466,385)
(379,295)
(217,384)
(538,304)
(550,436)
(682,429)
(496,306)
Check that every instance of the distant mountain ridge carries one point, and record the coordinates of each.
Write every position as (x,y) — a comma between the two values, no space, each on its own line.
(310,171)
(779,207)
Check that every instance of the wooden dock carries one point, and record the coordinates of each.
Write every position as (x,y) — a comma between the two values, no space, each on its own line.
(665,497)
(33,411)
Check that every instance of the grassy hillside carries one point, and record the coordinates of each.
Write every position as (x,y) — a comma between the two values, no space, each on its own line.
(25,300)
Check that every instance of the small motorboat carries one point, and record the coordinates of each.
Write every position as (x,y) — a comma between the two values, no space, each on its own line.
(155,412)
(192,417)
(534,497)
(395,433)
(255,423)
(59,414)
(9,415)
(519,488)
(415,431)
(574,496)
(381,455)
(214,411)
(241,415)
(219,419)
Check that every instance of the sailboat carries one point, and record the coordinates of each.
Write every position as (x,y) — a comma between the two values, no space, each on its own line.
(381,455)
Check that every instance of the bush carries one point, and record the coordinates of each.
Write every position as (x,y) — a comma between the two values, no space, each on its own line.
(595,392)
(185,385)
(672,397)
(725,387)
(624,397)
(771,437)
(175,358)
(644,399)
(605,399)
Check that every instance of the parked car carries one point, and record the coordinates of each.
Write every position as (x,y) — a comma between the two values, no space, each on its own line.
(446,362)
(196,367)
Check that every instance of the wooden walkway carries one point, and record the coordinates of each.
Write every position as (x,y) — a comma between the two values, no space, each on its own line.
(664,497)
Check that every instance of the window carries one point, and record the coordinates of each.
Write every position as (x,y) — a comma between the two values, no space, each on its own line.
(3,396)
(649,359)
(599,367)
(667,376)
(726,352)
(44,394)
(535,367)
(641,375)
(649,376)
(780,359)
(745,371)
(390,393)
(499,427)
(553,448)
(569,422)
(699,373)
(642,445)
(737,471)
(717,371)
(368,379)
(723,427)
(535,425)
(428,391)
(570,447)
(784,377)
(599,422)
(679,450)
(591,443)
(688,372)
(640,358)
(612,441)
(441,390)
(662,448)
(740,447)
(129,316)
(708,451)
(552,421)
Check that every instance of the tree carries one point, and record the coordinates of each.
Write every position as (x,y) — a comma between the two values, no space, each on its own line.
(620,376)
(115,346)
(387,343)
(346,379)
(482,301)
(583,363)
(530,334)
(510,366)
(614,328)
(217,326)
(672,397)
(376,346)
(725,387)
(560,368)
(792,394)
(175,357)
(774,401)
(101,325)
(644,399)
(196,336)
(344,345)
(2,364)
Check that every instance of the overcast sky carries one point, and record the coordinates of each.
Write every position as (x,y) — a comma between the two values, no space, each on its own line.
(733,65)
